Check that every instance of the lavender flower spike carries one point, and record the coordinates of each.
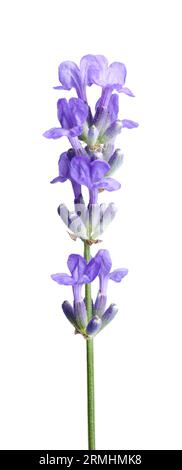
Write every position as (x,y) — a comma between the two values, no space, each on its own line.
(90,162)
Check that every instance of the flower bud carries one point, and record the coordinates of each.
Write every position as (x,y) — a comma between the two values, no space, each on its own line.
(72,221)
(69,313)
(92,136)
(63,212)
(80,314)
(112,131)
(115,161)
(77,226)
(107,214)
(94,218)
(93,326)
(100,304)
(108,150)
(109,315)
(81,209)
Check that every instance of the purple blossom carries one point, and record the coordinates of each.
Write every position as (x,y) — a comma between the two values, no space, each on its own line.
(81,273)
(92,174)
(72,116)
(71,76)
(107,119)
(64,172)
(110,78)
(104,260)
(104,274)
(63,166)
(109,115)
(84,273)
(100,73)
(94,69)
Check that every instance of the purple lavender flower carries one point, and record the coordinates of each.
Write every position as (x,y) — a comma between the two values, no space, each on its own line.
(103,258)
(71,76)
(90,166)
(72,116)
(90,162)
(63,166)
(64,172)
(110,78)
(104,75)
(84,273)
(102,317)
(83,222)
(112,111)
(91,174)
(107,122)
(81,273)
(94,69)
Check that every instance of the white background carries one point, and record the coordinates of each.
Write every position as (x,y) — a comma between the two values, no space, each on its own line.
(138,358)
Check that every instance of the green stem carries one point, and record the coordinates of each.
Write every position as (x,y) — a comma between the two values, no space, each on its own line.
(90,364)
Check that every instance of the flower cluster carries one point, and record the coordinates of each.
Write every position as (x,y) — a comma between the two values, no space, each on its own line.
(90,162)
(84,273)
